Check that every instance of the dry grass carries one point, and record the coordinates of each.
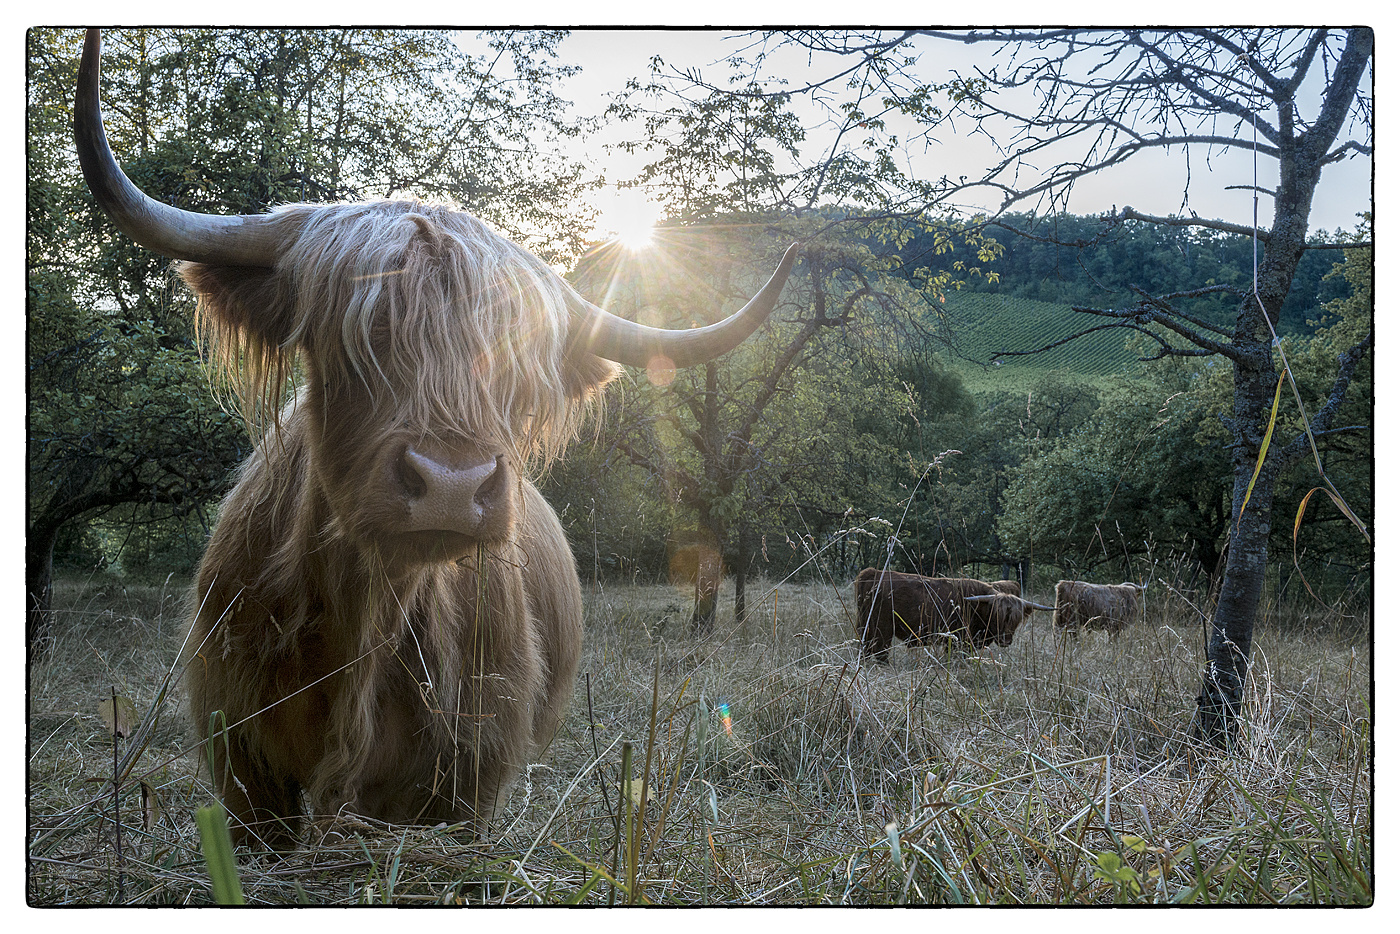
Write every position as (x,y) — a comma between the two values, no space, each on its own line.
(1050,772)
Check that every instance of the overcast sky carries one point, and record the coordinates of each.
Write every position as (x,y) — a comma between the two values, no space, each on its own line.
(1152,182)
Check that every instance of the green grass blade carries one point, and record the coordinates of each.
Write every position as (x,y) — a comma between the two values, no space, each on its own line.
(1263,448)
(217,844)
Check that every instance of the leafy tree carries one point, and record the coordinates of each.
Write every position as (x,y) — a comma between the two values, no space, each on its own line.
(112,421)
(762,432)
(1134,478)
(780,419)
(958,518)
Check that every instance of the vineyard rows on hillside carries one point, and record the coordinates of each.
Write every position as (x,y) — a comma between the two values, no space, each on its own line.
(983,324)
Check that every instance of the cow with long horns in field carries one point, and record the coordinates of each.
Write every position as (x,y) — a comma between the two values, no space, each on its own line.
(387,617)
(920,610)
(1081,605)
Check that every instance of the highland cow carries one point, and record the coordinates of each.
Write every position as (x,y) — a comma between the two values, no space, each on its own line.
(387,618)
(919,610)
(996,617)
(1080,605)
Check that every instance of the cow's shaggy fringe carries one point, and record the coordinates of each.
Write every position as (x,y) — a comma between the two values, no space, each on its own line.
(411,294)
(1055,771)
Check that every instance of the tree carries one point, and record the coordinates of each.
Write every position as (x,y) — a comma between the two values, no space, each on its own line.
(1100,98)
(113,426)
(1135,478)
(778,420)
(961,517)
(765,430)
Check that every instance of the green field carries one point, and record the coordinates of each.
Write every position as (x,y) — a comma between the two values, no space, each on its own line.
(983,324)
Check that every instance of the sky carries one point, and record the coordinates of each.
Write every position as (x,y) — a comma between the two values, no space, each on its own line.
(1154,183)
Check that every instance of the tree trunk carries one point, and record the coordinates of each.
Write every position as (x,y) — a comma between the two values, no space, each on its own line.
(1256,379)
(709,572)
(38,589)
(741,571)
(1232,629)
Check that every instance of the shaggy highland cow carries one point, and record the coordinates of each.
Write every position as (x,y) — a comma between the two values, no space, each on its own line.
(387,617)
(996,617)
(1080,605)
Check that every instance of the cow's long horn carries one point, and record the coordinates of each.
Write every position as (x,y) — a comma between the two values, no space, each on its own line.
(243,240)
(983,597)
(613,338)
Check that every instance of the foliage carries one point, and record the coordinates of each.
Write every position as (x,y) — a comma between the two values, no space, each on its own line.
(1133,481)
(114,428)
(777,429)
(1327,541)
(774,438)
(962,463)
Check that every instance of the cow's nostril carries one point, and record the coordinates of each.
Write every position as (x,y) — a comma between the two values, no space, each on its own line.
(409,478)
(491,484)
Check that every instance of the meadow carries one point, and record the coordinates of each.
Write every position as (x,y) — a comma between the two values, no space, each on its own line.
(1055,771)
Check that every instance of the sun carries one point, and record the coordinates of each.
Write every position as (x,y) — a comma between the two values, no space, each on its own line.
(629,218)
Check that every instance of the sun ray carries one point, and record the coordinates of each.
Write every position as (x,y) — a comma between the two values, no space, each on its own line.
(628,217)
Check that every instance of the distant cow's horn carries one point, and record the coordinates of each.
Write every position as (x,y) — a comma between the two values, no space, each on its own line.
(246,240)
(613,338)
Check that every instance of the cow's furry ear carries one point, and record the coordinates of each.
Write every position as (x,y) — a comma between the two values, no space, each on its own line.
(245,320)
(586,374)
(247,301)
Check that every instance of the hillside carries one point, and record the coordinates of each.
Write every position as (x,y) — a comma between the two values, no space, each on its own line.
(983,323)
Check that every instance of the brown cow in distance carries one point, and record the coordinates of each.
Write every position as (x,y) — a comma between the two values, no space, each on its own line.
(919,610)
(995,618)
(388,617)
(1008,586)
(1081,605)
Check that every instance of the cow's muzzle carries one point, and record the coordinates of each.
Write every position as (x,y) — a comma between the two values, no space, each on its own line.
(467,496)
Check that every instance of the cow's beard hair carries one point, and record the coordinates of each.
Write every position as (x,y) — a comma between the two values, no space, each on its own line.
(456,690)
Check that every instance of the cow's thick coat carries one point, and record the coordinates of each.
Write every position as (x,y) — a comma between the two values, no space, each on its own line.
(389,659)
